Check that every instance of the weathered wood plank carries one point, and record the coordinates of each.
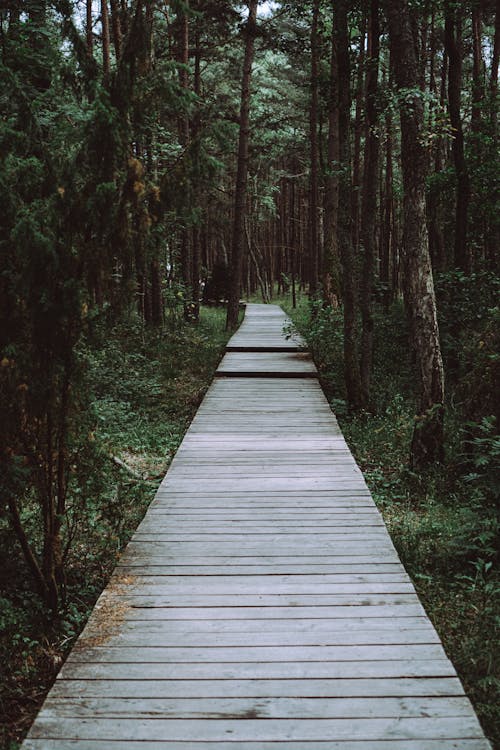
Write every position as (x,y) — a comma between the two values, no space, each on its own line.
(441,744)
(142,634)
(265,708)
(266,730)
(399,687)
(259,670)
(319,625)
(248,654)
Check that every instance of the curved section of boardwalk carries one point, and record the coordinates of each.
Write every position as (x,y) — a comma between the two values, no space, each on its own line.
(261,603)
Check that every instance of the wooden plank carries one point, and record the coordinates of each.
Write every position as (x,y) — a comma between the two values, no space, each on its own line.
(441,744)
(259,670)
(266,730)
(154,567)
(140,634)
(319,625)
(222,583)
(266,708)
(249,654)
(158,612)
(399,687)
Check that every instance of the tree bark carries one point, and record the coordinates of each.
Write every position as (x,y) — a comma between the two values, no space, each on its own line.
(436,238)
(358,130)
(427,441)
(477,70)
(106,55)
(495,60)
(331,259)
(156,294)
(89,31)
(387,216)
(238,239)
(351,363)
(184,135)
(453,45)
(195,134)
(369,214)
(314,155)
(117,28)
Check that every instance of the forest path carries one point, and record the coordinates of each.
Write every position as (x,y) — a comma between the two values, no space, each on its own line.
(261,603)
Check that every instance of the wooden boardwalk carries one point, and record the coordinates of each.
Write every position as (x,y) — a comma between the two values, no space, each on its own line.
(261,604)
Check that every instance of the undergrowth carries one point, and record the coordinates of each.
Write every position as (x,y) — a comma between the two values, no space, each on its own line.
(144,388)
(444,521)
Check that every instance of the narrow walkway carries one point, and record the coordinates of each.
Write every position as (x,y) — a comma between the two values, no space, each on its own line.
(261,604)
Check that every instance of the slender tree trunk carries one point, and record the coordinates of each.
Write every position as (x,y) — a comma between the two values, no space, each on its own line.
(358,131)
(477,70)
(195,132)
(89,28)
(106,55)
(293,242)
(238,240)
(493,232)
(156,295)
(427,441)
(351,362)
(436,238)
(453,44)
(29,556)
(331,258)
(495,61)
(387,216)
(314,155)
(369,215)
(184,136)
(117,28)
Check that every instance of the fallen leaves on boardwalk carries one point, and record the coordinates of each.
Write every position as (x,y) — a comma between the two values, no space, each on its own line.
(108,614)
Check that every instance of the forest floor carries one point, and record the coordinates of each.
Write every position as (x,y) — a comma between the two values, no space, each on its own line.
(146,387)
(444,522)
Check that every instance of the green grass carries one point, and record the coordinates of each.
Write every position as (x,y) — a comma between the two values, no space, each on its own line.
(144,389)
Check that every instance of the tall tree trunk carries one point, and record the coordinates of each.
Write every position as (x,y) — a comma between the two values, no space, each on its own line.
(238,239)
(195,133)
(369,216)
(358,131)
(184,136)
(493,234)
(117,28)
(331,260)
(156,295)
(314,155)
(351,363)
(477,70)
(495,60)
(106,54)
(436,238)
(293,242)
(427,441)
(89,28)
(453,45)
(387,213)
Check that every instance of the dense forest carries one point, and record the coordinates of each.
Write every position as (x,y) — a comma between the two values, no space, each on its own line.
(161,159)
